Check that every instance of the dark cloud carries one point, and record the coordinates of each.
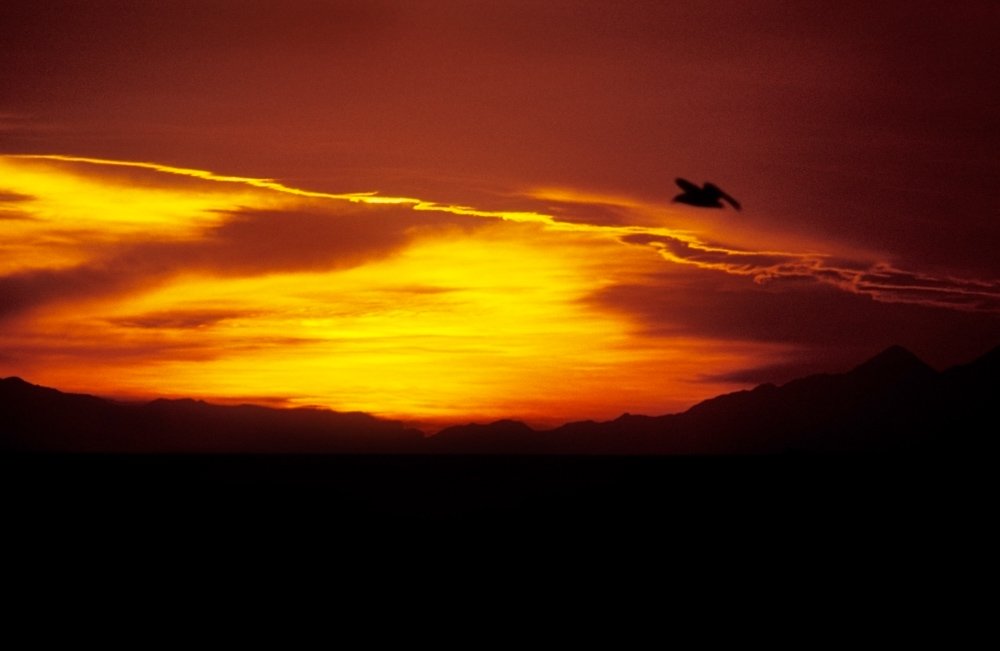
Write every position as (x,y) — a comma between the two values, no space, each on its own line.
(818,319)
(15,215)
(258,241)
(85,348)
(261,241)
(28,289)
(880,281)
(9,209)
(583,213)
(247,242)
(11,123)
(181,319)
(793,104)
(86,345)
(9,196)
(782,372)
(714,256)
(410,290)
(890,284)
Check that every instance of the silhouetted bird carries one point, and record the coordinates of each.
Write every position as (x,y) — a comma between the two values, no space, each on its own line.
(706,197)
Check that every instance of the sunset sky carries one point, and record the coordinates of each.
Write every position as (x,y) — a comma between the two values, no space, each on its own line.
(447,211)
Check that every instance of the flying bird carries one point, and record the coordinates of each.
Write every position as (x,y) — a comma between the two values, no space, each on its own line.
(707,196)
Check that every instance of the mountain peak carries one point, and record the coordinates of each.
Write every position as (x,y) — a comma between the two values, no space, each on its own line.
(893,361)
(13,379)
(501,431)
(989,359)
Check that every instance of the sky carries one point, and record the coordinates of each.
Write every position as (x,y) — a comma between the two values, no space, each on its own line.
(448,211)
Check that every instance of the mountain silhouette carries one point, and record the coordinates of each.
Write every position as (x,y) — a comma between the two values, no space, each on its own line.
(37,418)
(892,363)
(498,435)
(892,402)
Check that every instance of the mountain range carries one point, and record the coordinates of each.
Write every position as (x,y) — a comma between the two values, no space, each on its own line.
(893,402)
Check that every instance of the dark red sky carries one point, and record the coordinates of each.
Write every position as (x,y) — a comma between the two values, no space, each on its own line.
(872,127)
(864,121)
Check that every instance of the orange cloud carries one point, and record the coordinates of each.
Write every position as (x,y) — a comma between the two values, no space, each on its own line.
(880,281)
(141,279)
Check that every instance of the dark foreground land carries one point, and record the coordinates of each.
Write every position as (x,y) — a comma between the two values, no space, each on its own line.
(410,493)
(890,447)
(421,528)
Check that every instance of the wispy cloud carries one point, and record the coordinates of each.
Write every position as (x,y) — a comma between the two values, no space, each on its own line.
(879,280)
(247,241)
(6,196)
(207,284)
(13,121)
(185,319)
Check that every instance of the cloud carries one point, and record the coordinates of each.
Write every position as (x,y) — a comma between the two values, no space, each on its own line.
(246,242)
(28,289)
(14,215)
(262,241)
(778,373)
(14,121)
(146,340)
(92,347)
(880,281)
(187,319)
(817,320)
(9,209)
(9,196)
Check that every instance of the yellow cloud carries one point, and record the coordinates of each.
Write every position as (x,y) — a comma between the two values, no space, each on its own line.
(144,279)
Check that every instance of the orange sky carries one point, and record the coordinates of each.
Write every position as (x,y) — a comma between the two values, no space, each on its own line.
(470,215)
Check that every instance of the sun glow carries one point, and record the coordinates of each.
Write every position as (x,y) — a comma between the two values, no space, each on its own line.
(169,281)
(435,330)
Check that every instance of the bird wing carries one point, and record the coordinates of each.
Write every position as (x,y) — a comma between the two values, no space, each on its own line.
(733,202)
(717,191)
(686,185)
